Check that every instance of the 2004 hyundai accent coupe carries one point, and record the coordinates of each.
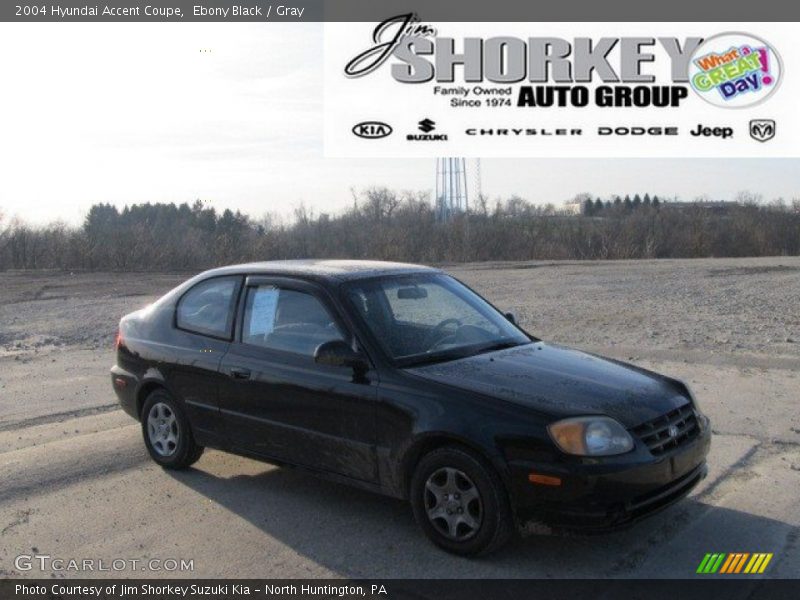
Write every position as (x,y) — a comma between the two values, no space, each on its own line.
(400,379)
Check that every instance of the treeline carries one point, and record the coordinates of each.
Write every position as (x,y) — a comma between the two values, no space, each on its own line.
(384,224)
(598,207)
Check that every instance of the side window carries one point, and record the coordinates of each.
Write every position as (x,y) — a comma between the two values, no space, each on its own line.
(207,308)
(287,320)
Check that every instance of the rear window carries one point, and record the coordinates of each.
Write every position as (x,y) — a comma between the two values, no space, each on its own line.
(208,307)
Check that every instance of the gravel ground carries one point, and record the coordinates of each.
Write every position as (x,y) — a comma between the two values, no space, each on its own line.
(731,327)
(707,305)
(725,306)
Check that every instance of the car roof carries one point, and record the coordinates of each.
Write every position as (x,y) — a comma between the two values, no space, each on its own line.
(322,270)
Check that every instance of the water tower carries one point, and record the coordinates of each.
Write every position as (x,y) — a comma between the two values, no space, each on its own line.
(451,188)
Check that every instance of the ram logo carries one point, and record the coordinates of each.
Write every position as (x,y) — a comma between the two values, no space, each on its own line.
(372,130)
(762,130)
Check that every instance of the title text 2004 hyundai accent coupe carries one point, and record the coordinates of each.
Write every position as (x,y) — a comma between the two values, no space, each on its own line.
(399,379)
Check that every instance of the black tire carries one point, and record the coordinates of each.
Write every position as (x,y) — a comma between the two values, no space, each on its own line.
(183,451)
(496,524)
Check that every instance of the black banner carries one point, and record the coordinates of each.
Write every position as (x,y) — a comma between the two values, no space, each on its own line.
(393,589)
(364,10)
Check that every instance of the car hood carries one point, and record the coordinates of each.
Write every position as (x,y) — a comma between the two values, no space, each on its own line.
(562,382)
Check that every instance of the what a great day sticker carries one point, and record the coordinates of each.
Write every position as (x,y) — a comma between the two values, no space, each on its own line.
(734,70)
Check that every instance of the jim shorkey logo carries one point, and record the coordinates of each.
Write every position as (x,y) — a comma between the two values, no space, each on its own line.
(387,36)
(737,66)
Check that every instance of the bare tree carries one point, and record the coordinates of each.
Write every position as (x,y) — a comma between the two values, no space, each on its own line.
(386,224)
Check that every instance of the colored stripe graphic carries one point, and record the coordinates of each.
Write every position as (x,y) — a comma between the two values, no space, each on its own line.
(754,563)
(734,563)
(716,565)
(728,563)
(711,563)
(765,563)
(703,563)
(741,562)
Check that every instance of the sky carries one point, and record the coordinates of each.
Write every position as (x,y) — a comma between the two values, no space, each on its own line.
(231,114)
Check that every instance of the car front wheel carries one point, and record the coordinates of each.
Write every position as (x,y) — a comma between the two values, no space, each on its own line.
(460,502)
(167,434)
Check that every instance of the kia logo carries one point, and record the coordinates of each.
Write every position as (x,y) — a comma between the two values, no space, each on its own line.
(372,130)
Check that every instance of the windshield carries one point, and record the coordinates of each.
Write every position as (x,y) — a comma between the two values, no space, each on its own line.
(423,318)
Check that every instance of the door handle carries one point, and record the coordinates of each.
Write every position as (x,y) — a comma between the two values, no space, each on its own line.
(239,373)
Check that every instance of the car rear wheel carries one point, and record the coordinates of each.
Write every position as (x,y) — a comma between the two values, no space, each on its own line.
(460,502)
(167,434)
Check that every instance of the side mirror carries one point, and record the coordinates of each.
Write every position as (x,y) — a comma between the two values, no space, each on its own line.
(511,318)
(337,353)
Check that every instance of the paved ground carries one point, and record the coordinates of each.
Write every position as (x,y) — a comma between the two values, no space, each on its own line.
(75,481)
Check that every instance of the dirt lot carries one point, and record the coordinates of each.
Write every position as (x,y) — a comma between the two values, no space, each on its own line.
(75,481)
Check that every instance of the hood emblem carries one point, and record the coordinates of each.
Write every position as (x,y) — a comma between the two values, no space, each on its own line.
(672,431)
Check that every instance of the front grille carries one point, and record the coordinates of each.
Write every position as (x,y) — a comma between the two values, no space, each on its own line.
(656,433)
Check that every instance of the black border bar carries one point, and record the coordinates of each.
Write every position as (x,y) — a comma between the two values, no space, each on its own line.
(701,588)
(378,10)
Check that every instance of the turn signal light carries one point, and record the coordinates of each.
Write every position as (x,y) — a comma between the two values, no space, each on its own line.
(544,479)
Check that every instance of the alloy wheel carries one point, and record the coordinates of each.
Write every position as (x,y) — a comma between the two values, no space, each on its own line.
(453,504)
(162,429)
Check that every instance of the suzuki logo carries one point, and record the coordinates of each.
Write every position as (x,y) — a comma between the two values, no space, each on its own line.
(762,130)
(426,125)
(372,130)
(672,431)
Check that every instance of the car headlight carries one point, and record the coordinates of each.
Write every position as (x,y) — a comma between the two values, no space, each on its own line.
(590,436)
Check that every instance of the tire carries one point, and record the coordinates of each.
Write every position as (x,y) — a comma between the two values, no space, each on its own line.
(167,433)
(453,479)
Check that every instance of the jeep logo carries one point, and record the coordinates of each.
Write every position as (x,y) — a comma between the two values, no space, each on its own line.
(720,132)
(372,130)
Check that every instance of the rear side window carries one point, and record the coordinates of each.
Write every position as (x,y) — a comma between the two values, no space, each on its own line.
(208,307)
(287,320)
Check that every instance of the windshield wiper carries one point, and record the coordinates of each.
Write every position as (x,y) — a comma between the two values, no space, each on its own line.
(498,346)
(432,359)
(462,352)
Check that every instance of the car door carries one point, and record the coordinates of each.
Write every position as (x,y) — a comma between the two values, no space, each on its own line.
(278,402)
(201,333)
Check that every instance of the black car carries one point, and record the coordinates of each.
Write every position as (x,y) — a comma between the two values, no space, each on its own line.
(400,379)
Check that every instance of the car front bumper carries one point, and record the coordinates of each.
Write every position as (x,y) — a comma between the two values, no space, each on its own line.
(605,494)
